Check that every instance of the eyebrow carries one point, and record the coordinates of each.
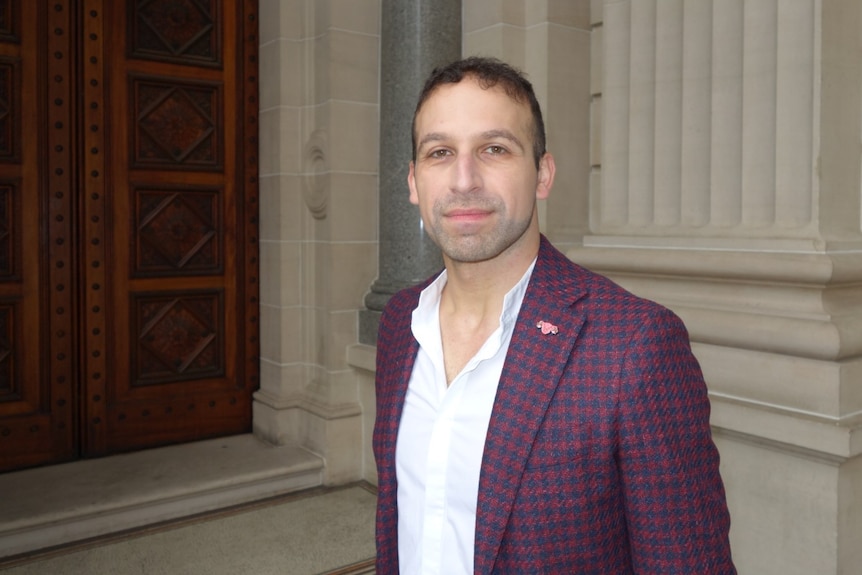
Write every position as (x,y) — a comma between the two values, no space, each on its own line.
(431,137)
(489,134)
(506,135)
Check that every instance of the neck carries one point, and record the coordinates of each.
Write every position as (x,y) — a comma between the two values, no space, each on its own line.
(477,289)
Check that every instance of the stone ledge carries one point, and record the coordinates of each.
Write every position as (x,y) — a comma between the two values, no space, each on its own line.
(829,390)
(797,261)
(310,404)
(818,437)
(60,504)
(362,356)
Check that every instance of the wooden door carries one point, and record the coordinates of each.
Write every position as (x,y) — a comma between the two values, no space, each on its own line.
(37,291)
(130,320)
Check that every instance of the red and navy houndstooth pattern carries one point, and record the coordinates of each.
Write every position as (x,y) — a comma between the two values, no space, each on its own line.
(598,458)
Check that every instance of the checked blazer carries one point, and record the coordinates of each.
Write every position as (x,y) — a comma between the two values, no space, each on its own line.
(598,457)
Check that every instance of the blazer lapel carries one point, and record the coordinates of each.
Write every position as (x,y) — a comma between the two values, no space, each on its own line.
(531,373)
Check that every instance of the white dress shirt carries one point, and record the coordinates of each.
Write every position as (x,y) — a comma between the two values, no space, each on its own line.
(441,439)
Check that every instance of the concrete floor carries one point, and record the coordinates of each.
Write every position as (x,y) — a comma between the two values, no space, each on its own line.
(312,532)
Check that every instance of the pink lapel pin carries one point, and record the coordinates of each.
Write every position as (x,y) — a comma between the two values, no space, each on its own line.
(547,328)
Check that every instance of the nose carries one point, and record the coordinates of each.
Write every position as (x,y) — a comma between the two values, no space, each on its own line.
(465,174)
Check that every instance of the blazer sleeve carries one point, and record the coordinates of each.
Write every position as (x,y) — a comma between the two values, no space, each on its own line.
(674,498)
(396,349)
(384,438)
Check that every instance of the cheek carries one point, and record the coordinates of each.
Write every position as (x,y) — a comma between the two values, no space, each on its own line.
(425,205)
(522,199)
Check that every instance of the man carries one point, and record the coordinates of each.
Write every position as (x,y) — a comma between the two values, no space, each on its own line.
(532,416)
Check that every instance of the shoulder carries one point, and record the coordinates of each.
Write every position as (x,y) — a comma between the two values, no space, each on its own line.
(603,302)
(403,302)
(555,272)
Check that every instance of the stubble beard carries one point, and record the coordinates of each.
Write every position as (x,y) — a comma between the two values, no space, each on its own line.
(483,245)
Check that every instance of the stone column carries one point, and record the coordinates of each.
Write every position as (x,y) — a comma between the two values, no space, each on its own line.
(416,37)
(727,186)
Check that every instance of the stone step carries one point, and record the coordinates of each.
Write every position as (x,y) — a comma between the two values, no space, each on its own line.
(51,506)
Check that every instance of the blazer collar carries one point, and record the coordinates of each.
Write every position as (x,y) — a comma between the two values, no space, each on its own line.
(533,368)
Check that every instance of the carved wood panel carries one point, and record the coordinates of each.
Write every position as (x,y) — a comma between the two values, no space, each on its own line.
(10,21)
(177,124)
(10,229)
(11,384)
(179,231)
(10,104)
(180,336)
(185,31)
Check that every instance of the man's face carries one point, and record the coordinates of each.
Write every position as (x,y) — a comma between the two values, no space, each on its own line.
(475,179)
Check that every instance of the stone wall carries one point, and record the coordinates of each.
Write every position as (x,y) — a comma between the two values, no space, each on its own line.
(318,247)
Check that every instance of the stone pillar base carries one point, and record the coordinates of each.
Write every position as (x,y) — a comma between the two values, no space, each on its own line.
(790,513)
(369,320)
(334,433)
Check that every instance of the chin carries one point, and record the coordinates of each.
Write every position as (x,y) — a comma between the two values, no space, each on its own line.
(471,252)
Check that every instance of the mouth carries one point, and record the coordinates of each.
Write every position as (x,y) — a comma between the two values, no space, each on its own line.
(467,214)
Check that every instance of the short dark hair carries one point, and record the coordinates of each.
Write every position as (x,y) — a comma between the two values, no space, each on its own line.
(489,72)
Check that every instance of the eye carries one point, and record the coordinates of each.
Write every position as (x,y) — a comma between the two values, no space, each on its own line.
(437,154)
(495,149)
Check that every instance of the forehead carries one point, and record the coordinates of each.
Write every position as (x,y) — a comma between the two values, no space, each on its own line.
(466,102)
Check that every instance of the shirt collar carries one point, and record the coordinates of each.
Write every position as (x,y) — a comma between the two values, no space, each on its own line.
(427,311)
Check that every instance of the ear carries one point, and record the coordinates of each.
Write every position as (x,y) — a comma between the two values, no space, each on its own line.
(411,183)
(547,169)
